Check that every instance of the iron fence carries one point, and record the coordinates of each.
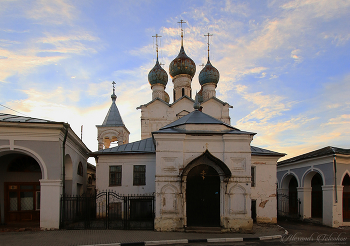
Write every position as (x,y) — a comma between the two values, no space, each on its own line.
(107,210)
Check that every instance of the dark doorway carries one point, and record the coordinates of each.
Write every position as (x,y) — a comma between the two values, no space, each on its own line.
(253,210)
(346,198)
(203,197)
(293,196)
(316,196)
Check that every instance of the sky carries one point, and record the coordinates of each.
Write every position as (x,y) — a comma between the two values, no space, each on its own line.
(284,64)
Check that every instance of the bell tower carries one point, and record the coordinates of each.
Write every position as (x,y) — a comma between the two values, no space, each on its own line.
(112,128)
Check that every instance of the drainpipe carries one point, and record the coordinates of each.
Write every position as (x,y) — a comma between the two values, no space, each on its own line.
(335,175)
(66,126)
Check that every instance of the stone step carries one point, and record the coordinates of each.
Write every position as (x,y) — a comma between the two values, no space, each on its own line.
(199,229)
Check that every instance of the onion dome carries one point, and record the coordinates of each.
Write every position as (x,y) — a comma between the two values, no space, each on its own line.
(209,74)
(182,64)
(157,75)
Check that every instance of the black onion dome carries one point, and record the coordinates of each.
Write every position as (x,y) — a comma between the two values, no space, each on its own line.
(182,64)
(209,74)
(157,75)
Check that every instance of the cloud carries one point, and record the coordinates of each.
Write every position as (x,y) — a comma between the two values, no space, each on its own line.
(340,120)
(295,54)
(55,12)
(20,62)
(24,60)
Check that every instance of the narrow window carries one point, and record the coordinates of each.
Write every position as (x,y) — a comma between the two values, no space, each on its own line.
(139,175)
(183,91)
(253,176)
(191,93)
(174,94)
(115,175)
(80,169)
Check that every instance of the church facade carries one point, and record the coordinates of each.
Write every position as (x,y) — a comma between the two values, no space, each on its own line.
(202,170)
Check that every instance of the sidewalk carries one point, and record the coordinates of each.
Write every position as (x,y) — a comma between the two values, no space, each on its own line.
(94,237)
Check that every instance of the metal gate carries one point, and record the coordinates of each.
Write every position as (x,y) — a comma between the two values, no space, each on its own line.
(288,206)
(107,210)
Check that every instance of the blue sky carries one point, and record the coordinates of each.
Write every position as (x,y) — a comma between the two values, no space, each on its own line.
(284,65)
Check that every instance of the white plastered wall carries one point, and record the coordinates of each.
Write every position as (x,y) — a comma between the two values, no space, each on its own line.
(264,191)
(127,162)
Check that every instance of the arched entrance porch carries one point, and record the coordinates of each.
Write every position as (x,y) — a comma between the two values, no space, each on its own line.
(204,182)
(203,196)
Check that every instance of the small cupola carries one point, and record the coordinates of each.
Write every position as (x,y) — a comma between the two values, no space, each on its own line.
(208,78)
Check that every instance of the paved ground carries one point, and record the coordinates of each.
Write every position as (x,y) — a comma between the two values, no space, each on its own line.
(299,234)
(92,237)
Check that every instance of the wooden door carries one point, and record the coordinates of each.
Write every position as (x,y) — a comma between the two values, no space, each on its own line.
(203,196)
(22,202)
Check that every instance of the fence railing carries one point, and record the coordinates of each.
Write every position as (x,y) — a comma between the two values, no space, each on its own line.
(107,210)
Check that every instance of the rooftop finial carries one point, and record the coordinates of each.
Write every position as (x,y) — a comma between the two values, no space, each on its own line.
(113,96)
(208,35)
(182,32)
(196,104)
(157,43)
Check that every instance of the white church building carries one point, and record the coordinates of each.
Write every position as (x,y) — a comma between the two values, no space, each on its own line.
(203,171)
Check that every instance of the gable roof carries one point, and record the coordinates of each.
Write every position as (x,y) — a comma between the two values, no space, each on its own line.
(9,118)
(265,152)
(17,118)
(187,97)
(329,150)
(196,117)
(155,99)
(143,146)
(218,100)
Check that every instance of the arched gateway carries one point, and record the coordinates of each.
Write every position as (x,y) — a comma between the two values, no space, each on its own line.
(204,177)
(203,196)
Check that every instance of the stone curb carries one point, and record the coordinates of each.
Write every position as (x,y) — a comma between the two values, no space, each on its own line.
(184,241)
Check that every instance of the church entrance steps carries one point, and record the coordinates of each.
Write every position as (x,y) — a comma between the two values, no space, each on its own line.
(198,229)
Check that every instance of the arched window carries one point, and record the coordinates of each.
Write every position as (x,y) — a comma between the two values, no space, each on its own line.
(80,169)
(183,91)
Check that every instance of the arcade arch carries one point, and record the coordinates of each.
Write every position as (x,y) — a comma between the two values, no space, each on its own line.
(20,175)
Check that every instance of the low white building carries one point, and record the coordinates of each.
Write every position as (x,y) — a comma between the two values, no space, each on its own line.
(203,171)
(321,180)
(32,153)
